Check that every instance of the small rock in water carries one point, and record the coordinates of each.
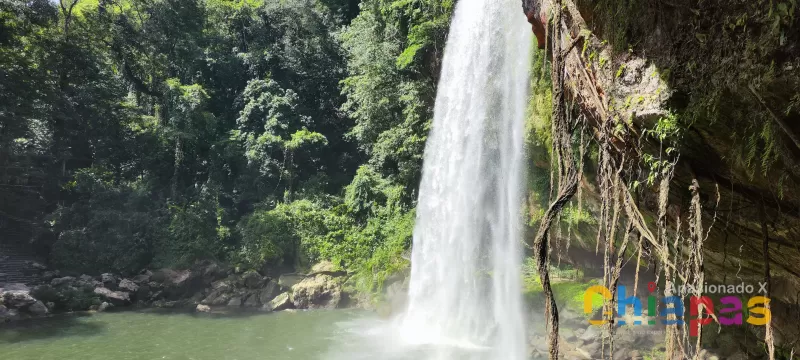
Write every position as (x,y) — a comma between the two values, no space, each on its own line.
(203,308)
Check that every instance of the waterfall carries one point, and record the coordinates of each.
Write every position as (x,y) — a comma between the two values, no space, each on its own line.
(465,290)
(464,300)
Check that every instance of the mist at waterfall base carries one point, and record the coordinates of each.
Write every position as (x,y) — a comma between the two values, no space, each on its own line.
(464,298)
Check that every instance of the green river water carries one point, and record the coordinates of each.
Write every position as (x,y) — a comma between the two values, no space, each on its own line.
(131,335)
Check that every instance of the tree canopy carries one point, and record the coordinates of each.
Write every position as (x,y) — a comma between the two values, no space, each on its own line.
(139,133)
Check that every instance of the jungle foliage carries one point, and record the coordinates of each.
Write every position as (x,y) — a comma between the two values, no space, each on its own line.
(139,133)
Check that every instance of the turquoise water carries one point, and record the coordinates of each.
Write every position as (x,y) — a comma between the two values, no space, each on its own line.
(131,335)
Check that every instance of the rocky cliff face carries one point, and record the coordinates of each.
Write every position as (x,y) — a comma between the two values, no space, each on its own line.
(712,87)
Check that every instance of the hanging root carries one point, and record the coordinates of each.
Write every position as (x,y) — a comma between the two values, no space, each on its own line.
(768,337)
(567,182)
(696,252)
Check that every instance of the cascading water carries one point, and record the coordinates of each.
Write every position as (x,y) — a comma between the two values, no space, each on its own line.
(465,292)
(465,283)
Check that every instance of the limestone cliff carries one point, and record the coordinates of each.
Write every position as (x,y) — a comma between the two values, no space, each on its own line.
(712,90)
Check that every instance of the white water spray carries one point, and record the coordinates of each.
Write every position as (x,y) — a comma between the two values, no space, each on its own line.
(465,293)
(465,290)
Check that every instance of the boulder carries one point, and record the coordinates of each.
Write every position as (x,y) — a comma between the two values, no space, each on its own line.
(155,285)
(203,308)
(251,301)
(179,284)
(141,279)
(269,292)
(157,295)
(114,297)
(317,292)
(17,299)
(38,309)
(62,281)
(170,277)
(109,281)
(235,301)
(87,282)
(128,286)
(280,302)
(211,271)
(143,292)
(217,298)
(221,293)
(104,306)
(196,298)
(252,279)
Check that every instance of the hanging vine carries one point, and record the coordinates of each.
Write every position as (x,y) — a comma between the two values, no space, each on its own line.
(567,180)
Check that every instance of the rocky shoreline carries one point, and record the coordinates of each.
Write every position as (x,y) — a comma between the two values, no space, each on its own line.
(204,287)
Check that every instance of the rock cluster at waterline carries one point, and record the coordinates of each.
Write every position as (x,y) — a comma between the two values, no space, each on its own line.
(204,287)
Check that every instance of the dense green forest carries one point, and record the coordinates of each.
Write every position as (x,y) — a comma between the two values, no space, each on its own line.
(268,134)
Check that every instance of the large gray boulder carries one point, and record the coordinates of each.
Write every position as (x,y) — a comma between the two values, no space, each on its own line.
(269,292)
(128,286)
(87,282)
(252,279)
(114,297)
(235,301)
(17,299)
(109,281)
(38,309)
(104,306)
(221,293)
(281,302)
(251,300)
(142,279)
(317,292)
